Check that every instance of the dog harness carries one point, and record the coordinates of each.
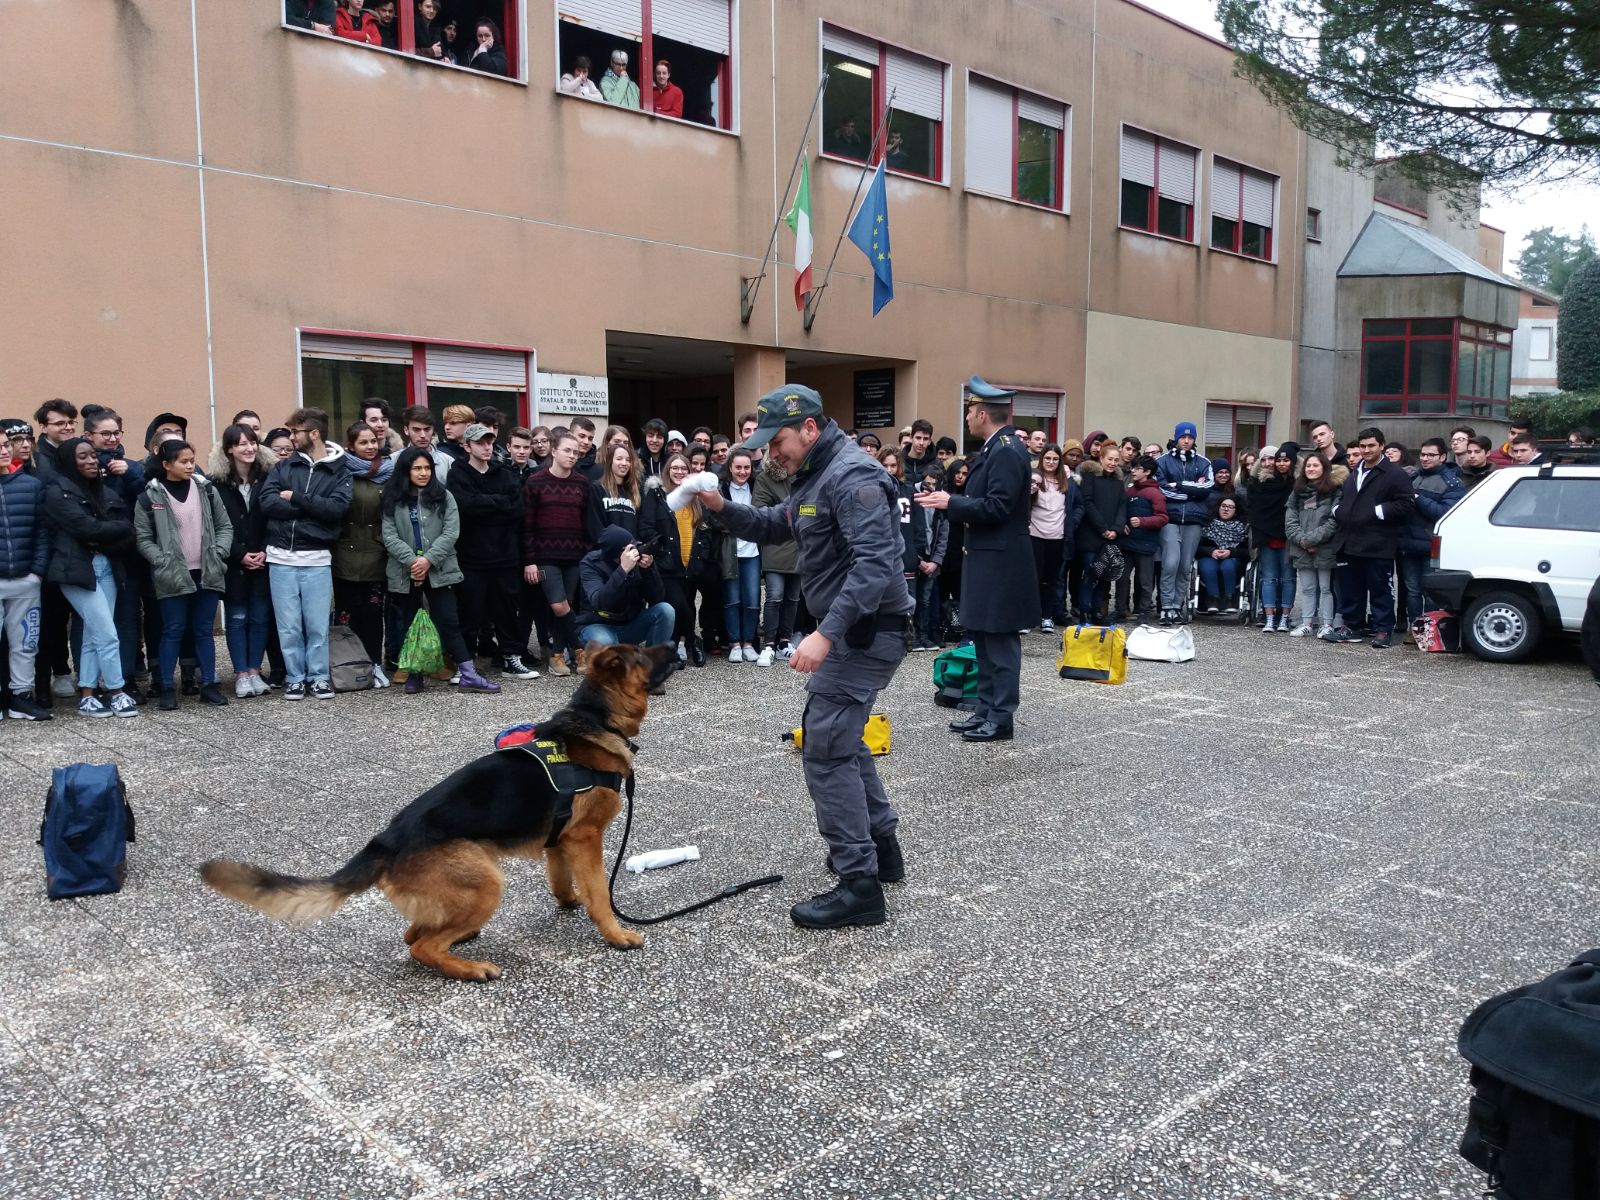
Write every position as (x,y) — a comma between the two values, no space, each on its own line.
(567,779)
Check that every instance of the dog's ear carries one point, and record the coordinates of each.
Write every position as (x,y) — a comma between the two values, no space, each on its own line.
(602,659)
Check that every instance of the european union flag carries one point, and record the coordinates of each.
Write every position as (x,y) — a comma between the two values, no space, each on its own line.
(870,233)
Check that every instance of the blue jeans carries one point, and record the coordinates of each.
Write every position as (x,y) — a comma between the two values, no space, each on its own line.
(191,613)
(101,660)
(1277,580)
(927,623)
(741,601)
(302,598)
(1218,576)
(1412,564)
(652,627)
(247,629)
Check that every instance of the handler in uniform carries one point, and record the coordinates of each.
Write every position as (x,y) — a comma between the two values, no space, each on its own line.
(844,513)
(999,586)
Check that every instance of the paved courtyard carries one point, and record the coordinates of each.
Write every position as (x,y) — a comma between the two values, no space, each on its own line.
(1210,933)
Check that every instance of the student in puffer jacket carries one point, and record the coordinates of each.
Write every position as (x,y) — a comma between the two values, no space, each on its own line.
(1184,476)
(1147,516)
(24,553)
(1311,535)
(1438,487)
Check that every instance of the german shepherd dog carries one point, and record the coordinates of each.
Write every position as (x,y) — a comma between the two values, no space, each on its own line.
(438,861)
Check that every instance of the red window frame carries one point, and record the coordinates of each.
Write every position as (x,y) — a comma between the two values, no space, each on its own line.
(1496,338)
(406,18)
(417,370)
(1154,207)
(647,71)
(1016,155)
(880,97)
(1237,246)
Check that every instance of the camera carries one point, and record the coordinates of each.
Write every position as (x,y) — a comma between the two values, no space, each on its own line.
(927,485)
(649,546)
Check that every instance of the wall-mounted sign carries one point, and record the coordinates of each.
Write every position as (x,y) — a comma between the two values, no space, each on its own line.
(874,398)
(573,395)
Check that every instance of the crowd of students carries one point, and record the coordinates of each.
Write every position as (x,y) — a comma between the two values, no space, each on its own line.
(527,545)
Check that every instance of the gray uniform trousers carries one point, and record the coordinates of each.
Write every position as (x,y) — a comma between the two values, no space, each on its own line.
(999,674)
(850,802)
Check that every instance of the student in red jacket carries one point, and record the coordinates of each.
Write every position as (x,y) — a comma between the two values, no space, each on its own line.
(354,22)
(668,95)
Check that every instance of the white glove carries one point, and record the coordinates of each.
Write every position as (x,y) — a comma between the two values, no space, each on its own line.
(678,498)
(640,863)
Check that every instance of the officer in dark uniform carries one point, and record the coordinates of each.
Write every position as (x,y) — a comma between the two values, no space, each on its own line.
(999,585)
(843,513)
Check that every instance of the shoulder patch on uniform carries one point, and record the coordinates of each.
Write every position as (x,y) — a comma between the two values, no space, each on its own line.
(870,495)
(808,510)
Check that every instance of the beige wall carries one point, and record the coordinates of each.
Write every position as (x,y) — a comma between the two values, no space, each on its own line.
(352,189)
(1146,376)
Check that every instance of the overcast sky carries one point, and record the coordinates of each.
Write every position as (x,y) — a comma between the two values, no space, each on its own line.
(1565,207)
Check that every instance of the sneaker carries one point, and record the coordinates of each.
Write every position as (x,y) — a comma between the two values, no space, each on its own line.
(455,679)
(24,708)
(379,679)
(1045,626)
(1271,626)
(322,690)
(242,687)
(558,665)
(123,705)
(513,665)
(1325,634)
(1230,609)
(211,694)
(1383,641)
(787,652)
(1345,634)
(1025,630)
(1300,631)
(260,685)
(167,700)
(62,687)
(683,653)
(294,691)
(1213,607)
(764,659)
(90,707)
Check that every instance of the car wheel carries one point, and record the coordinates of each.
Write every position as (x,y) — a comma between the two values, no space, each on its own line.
(1502,627)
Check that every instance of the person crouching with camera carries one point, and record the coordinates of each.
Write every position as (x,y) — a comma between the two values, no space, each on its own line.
(626,601)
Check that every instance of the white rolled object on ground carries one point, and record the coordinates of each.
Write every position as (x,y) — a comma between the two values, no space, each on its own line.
(651,859)
(678,498)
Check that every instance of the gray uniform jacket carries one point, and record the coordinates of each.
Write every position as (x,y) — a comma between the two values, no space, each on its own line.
(844,513)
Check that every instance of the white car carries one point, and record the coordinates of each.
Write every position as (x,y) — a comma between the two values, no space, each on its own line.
(1517,557)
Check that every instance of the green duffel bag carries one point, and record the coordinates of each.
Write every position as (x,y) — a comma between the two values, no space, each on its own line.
(955,674)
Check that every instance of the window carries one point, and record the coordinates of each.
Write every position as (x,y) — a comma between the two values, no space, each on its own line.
(1232,429)
(693,37)
(423,28)
(1015,144)
(1540,343)
(338,371)
(1244,202)
(862,76)
(1550,503)
(1158,185)
(1432,366)
(1313,224)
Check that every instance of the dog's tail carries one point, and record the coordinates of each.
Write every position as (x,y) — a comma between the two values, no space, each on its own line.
(289,898)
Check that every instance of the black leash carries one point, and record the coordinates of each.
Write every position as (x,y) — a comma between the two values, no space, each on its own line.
(726,893)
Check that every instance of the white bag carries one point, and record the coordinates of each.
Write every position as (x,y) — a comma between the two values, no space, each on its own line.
(1174,645)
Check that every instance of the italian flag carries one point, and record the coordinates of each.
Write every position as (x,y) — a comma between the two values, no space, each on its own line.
(799,219)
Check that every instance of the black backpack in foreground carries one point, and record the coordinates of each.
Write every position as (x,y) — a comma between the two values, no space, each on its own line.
(1534,1120)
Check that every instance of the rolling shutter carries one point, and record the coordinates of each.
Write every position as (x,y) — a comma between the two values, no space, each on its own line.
(473,367)
(917,84)
(1219,425)
(620,17)
(1177,172)
(1051,113)
(700,23)
(853,45)
(989,137)
(1036,404)
(1259,195)
(354,349)
(1138,157)
(1224,189)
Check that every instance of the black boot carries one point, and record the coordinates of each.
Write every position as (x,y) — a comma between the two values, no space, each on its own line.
(697,652)
(891,863)
(190,686)
(857,900)
(211,694)
(168,701)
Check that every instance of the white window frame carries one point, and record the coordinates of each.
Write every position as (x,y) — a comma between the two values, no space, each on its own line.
(1065,207)
(1549,343)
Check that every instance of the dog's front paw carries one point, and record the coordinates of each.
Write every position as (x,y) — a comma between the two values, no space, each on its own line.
(625,939)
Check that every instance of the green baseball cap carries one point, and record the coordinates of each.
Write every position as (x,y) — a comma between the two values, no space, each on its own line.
(788,405)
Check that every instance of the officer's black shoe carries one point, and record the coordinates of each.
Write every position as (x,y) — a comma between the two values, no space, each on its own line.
(988,732)
(857,900)
(966,723)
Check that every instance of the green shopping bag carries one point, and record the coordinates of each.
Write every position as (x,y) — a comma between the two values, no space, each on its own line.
(421,652)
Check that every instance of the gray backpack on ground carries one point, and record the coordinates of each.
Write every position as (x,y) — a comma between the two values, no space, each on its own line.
(349,666)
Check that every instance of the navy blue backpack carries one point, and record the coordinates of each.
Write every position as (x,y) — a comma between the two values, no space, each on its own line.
(87,825)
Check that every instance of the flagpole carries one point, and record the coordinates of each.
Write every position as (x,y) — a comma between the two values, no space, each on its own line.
(814,298)
(749,285)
